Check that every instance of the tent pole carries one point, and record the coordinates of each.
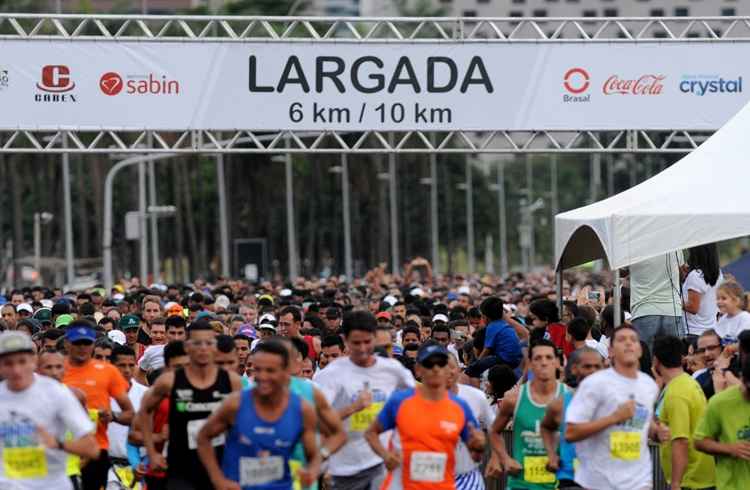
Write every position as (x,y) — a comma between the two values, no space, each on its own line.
(617,299)
(559,290)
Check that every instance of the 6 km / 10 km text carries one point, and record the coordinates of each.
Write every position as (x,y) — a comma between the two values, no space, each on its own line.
(395,113)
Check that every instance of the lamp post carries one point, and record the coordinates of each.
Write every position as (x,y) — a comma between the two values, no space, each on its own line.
(469,188)
(499,187)
(39,219)
(343,169)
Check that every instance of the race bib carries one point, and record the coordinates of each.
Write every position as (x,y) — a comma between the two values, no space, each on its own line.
(93,416)
(427,466)
(295,465)
(362,419)
(576,464)
(24,462)
(625,445)
(261,471)
(535,470)
(193,427)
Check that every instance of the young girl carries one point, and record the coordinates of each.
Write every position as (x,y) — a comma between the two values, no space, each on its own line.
(730,298)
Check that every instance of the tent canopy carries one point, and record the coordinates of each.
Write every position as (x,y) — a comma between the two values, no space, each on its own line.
(703,198)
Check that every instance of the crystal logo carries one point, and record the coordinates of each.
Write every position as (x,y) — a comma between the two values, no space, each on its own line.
(576,82)
(55,85)
(701,85)
(110,83)
(649,84)
(4,79)
(56,78)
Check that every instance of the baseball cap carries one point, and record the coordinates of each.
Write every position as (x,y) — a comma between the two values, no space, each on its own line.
(333,313)
(430,350)
(285,292)
(25,307)
(390,299)
(267,299)
(13,341)
(63,320)
(267,318)
(47,303)
(418,292)
(129,321)
(464,290)
(247,330)
(383,314)
(175,310)
(205,314)
(32,324)
(43,315)
(222,301)
(267,326)
(80,331)
(117,337)
(440,318)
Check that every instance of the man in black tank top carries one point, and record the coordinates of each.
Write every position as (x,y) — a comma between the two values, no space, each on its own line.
(194,392)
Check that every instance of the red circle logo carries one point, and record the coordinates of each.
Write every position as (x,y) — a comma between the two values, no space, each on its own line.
(110,83)
(576,80)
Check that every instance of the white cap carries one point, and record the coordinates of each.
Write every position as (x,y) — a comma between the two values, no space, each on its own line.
(47,303)
(440,318)
(221,301)
(417,292)
(285,292)
(117,337)
(118,297)
(464,290)
(267,318)
(266,326)
(25,307)
(390,299)
(170,304)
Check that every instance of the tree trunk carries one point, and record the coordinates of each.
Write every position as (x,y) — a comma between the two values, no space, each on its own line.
(192,235)
(179,274)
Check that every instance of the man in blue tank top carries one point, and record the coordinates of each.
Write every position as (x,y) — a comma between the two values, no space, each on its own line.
(264,424)
(562,460)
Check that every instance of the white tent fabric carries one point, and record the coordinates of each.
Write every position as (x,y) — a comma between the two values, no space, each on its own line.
(703,198)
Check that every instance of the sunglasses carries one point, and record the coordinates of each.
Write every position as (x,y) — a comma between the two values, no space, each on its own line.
(707,348)
(430,363)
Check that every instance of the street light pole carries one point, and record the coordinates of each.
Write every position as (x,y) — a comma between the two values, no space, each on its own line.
(347,218)
(223,218)
(155,266)
(68,211)
(395,267)
(434,224)
(142,217)
(470,217)
(502,218)
(290,226)
(530,197)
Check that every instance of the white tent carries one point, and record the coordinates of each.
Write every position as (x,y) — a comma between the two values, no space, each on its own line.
(705,197)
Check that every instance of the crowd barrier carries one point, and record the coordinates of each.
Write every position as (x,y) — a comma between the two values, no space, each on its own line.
(659,481)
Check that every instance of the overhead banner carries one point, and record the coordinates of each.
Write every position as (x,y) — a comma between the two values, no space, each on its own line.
(87,84)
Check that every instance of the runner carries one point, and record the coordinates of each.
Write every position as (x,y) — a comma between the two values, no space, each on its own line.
(35,413)
(429,421)
(610,417)
(468,475)
(724,432)
(264,424)
(561,453)
(357,387)
(681,406)
(194,392)
(527,468)
(100,382)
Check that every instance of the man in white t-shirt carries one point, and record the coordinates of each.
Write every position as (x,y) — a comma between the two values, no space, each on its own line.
(610,418)
(655,303)
(357,387)
(123,358)
(468,474)
(35,414)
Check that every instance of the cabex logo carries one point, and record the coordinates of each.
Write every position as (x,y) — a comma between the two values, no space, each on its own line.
(110,83)
(576,81)
(55,83)
(56,78)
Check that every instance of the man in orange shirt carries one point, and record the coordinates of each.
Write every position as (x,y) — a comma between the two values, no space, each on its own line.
(99,381)
(429,420)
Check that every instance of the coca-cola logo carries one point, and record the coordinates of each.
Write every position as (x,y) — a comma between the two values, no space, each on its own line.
(644,85)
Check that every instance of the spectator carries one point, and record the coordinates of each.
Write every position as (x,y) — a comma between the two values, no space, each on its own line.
(699,288)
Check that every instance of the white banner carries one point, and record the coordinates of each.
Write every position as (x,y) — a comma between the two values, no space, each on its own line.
(86,84)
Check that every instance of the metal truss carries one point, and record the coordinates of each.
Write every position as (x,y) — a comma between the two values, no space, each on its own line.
(363,29)
(337,142)
(114,28)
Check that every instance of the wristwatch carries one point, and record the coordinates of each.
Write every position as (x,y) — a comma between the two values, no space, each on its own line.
(325,453)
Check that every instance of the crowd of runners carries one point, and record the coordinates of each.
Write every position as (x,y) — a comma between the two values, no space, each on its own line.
(413,382)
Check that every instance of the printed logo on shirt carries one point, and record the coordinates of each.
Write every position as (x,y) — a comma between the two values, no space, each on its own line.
(184,394)
(264,430)
(744,433)
(449,427)
(639,420)
(244,440)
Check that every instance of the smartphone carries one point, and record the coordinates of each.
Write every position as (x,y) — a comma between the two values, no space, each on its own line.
(594,295)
